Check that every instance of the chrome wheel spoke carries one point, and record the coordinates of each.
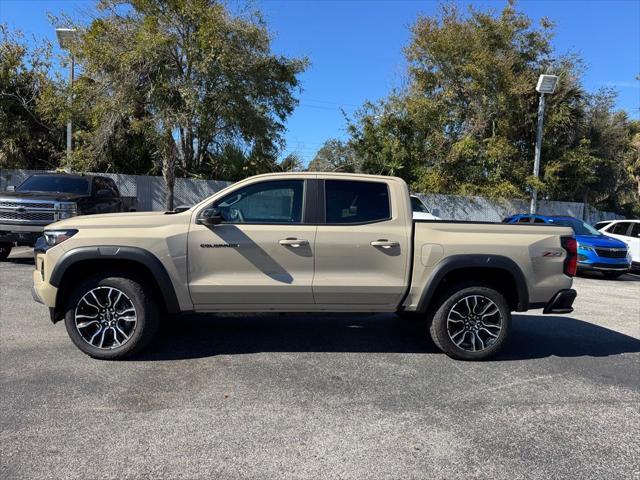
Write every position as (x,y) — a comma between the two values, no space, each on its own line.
(98,320)
(492,335)
(95,335)
(86,324)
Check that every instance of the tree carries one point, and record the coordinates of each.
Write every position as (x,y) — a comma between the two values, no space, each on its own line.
(335,156)
(190,78)
(291,163)
(29,136)
(466,120)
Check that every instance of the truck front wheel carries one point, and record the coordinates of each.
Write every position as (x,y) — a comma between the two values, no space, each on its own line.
(471,322)
(111,316)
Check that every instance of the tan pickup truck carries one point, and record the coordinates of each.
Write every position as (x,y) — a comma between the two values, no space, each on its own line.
(300,242)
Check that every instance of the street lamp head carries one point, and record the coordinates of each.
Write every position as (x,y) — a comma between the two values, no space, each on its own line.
(66,37)
(547,83)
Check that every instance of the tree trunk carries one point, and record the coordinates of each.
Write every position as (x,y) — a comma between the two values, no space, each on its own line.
(169,168)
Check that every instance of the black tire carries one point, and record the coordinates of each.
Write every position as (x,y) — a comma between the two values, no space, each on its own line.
(136,293)
(439,328)
(612,275)
(5,250)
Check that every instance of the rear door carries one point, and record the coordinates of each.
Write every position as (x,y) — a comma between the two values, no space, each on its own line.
(362,244)
(618,230)
(261,254)
(634,241)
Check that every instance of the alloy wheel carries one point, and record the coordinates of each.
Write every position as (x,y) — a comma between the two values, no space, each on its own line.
(105,318)
(474,323)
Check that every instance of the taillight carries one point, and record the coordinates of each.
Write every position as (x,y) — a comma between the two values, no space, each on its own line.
(571,262)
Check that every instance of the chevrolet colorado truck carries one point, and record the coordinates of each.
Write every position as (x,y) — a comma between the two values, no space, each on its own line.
(46,198)
(300,242)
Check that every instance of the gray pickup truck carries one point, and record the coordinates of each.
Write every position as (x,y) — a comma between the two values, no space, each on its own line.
(47,198)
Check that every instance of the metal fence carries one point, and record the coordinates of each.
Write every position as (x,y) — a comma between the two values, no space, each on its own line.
(456,207)
(149,190)
(150,193)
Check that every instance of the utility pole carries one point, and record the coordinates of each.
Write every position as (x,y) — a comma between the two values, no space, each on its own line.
(66,37)
(546,85)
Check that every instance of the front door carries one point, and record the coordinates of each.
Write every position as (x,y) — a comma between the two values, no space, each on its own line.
(261,254)
(362,247)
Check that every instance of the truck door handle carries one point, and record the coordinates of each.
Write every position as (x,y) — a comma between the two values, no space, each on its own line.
(293,242)
(384,243)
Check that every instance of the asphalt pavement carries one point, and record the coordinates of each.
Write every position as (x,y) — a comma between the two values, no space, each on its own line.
(323,396)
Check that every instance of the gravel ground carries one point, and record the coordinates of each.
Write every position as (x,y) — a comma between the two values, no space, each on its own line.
(284,396)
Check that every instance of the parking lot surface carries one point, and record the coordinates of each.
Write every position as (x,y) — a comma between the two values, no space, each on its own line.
(284,396)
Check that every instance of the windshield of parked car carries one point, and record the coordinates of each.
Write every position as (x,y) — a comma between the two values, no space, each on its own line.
(579,227)
(418,206)
(55,183)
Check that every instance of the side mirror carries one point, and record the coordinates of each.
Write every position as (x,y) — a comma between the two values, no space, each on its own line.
(181,208)
(104,193)
(435,212)
(210,217)
(11,188)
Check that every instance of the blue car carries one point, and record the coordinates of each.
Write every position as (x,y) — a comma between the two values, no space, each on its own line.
(596,252)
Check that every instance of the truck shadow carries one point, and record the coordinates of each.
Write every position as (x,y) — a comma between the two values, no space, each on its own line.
(197,336)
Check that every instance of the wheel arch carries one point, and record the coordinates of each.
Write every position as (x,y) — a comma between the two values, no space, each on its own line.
(79,262)
(497,271)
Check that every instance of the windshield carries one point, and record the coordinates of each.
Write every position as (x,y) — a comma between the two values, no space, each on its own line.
(418,206)
(55,183)
(579,227)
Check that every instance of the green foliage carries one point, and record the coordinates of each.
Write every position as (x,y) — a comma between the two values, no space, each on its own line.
(335,156)
(28,136)
(466,121)
(187,84)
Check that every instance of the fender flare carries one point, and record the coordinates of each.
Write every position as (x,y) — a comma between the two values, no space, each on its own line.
(466,261)
(135,254)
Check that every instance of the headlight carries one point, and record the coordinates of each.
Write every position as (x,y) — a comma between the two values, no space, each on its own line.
(586,247)
(56,237)
(67,210)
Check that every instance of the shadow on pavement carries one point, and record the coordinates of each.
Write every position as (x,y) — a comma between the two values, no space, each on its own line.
(22,260)
(196,336)
(627,277)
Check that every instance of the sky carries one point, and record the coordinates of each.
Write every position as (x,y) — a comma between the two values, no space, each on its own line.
(355,49)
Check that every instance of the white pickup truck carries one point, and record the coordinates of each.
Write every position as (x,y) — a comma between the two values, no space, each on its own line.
(300,242)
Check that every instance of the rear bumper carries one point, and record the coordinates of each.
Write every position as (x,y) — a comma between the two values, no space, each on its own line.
(562,302)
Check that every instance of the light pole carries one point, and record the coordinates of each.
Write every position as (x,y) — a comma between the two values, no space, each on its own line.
(66,37)
(546,85)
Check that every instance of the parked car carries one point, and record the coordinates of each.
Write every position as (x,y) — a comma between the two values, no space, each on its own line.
(46,198)
(596,252)
(299,242)
(421,211)
(602,224)
(627,231)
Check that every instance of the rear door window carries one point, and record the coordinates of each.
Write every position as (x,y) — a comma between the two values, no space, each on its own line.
(349,202)
(619,228)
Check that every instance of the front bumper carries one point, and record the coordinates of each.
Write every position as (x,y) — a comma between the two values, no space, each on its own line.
(603,267)
(20,234)
(562,302)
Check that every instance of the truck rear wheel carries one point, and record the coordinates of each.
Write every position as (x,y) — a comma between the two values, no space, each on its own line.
(5,250)
(111,316)
(471,323)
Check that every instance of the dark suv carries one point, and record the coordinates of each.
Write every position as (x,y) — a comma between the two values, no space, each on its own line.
(46,198)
